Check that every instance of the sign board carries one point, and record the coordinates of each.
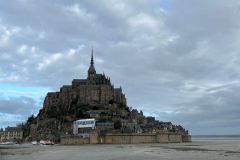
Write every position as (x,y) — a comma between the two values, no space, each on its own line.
(85,123)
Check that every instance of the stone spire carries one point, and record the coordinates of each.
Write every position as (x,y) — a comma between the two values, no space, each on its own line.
(92,61)
(91,71)
(92,68)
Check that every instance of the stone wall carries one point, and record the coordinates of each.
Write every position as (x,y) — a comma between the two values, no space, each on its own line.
(162,138)
(74,140)
(133,138)
(175,138)
(128,138)
(94,138)
(186,138)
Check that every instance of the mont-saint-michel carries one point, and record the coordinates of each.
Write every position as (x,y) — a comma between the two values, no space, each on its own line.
(162,71)
(93,111)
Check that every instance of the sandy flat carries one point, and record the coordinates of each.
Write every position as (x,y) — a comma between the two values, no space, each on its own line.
(197,150)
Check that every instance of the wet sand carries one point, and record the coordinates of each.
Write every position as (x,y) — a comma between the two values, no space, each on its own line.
(197,150)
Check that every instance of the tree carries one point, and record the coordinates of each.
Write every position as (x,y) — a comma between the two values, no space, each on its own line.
(117,125)
(30,119)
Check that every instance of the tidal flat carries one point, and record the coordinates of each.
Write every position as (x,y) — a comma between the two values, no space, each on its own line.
(197,150)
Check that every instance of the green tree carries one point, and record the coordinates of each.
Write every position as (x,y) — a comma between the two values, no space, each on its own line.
(117,125)
(30,119)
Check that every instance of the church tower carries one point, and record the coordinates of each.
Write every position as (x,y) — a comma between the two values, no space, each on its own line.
(91,72)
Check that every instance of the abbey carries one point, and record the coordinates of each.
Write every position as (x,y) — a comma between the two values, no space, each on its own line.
(96,90)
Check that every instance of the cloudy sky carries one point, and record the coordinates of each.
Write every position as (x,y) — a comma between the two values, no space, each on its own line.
(176,60)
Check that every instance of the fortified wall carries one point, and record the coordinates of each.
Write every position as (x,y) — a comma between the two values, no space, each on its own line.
(127,138)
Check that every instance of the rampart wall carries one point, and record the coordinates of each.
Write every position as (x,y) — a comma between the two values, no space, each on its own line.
(123,138)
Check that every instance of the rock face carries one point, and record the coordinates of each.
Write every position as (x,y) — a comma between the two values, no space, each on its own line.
(93,97)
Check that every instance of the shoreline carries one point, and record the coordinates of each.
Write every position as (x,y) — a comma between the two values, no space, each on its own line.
(198,149)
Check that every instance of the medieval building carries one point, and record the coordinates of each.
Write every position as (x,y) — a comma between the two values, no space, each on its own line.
(95,90)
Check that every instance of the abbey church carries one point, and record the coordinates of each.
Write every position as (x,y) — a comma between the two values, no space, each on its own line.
(96,90)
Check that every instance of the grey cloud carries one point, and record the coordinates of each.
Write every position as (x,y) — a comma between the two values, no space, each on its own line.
(175,62)
(18,106)
(218,110)
(11,119)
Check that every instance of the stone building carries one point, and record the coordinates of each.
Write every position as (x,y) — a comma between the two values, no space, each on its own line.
(104,126)
(95,90)
(11,134)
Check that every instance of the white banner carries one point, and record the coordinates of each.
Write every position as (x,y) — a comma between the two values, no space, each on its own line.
(85,123)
